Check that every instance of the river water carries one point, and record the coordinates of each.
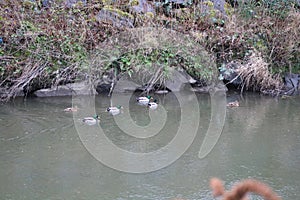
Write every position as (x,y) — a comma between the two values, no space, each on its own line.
(44,153)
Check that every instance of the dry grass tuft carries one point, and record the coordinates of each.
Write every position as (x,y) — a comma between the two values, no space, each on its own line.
(255,74)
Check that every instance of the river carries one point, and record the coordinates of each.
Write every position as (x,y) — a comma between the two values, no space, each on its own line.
(46,153)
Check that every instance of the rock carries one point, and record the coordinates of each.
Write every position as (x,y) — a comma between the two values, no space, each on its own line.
(124,84)
(116,17)
(176,82)
(219,87)
(103,88)
(143,7)
(161,92)
(107,81)
(80,88)
(119,85)
(47,3)
(20,93)
(170,5)
(292,81)
(4,93)
(229,73)
(204,89)
(71,3)
(214,5)
(219,5)
(178,79)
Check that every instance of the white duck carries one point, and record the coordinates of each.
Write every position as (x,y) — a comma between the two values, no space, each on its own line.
(71,109)
(114,110)
(144,100)
(153,105)
(91,120)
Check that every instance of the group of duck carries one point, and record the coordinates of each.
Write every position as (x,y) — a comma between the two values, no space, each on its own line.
(114,110)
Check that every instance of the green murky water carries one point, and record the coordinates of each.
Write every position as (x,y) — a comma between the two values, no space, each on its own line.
(42,155)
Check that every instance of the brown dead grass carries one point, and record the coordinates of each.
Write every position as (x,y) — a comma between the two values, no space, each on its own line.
(255,74)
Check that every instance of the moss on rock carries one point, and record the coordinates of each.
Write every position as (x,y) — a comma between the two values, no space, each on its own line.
(118,11)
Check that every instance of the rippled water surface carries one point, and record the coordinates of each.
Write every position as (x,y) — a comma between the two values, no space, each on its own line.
(42,155)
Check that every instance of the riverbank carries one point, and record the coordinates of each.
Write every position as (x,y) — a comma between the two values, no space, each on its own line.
(254,46)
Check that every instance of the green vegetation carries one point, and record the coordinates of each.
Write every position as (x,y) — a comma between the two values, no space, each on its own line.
(160,62)
(41,47)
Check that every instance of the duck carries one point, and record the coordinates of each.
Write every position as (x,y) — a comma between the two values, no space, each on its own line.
(144,100)
(114,110)
(91,120)
(233,104)
(71,109)
(153,105)
(285,96)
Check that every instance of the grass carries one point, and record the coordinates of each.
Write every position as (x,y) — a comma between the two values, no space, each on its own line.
(42,47)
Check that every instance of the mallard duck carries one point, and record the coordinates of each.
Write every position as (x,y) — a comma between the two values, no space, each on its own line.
(285,96)
(114,110)
(153,105)
(91,120)
(144,100)
(233,104)
(71,109)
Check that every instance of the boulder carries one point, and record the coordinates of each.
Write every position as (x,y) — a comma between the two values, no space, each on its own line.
(203,89)
(116,17)
(103,88)
(80,88)
(218,87)
(107,82)
(210,6)
(70,3)
(125,84)
(229,73)
(178,79)
(46,3)
(292,81)
(18,93)
(219,5)
(170,5)
(143,7)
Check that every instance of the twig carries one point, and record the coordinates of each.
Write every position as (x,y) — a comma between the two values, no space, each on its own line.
(239,191)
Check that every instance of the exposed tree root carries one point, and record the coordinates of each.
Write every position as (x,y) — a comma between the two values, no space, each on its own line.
(29,73)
